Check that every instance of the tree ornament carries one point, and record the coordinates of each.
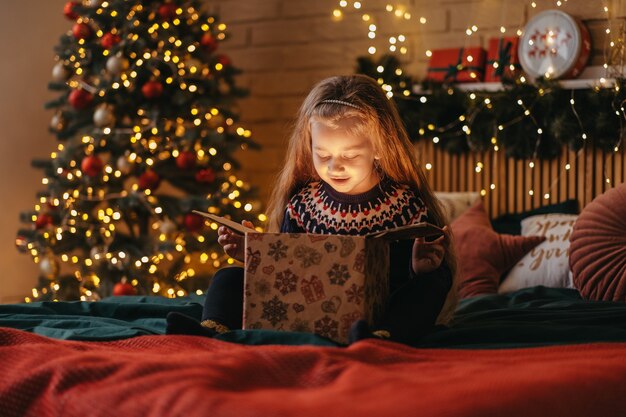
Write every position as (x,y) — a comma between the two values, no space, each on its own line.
(103,116)
(82,31)
(93,3)
(57,122)
(43,220)
(149,180)
(98,254)
(60,73)
(91,166)
(80,99)
(124,288)
(109,40)
(167,227)
(68,10)
(209,42)
(205,175)
(193,222)
(224,60)
(124,165)
(117,64)
(21,244)
(49,267)
(186,160)
(152,89)
(167,11)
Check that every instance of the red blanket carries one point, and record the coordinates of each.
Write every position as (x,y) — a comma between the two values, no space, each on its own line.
(193,376)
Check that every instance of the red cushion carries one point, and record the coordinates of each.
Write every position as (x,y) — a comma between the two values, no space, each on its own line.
(598,247)
(484,255)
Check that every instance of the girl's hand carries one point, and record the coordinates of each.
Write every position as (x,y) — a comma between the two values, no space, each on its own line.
(428,256)
(233,243)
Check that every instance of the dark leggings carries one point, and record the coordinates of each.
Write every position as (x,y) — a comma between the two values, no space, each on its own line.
(411,311)
(224,298)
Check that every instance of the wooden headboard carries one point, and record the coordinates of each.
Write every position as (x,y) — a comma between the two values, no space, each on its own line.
(586,177)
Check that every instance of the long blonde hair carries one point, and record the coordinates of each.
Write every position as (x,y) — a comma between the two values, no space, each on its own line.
(377,118)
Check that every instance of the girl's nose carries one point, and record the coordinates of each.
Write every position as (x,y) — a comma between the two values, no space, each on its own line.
(334,165)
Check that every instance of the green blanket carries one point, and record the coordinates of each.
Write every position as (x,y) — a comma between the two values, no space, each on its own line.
(534,316)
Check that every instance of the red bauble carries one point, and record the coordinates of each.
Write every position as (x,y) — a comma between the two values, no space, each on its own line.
(82,31)
(68,10)
(91,166)
(224,60)
(167,11)
(80,99)
(205,175)
(209,42)
(149,180)
(43,220)
(186,160)
(109,40)
(124,288)
(193,222)
(152,89)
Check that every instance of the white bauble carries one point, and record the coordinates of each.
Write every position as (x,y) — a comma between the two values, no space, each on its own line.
(103,117)
(124,165)
(167,226)
(93,3)
(117,64)
(49,267)
(98,254)
(60,74)
(57,123)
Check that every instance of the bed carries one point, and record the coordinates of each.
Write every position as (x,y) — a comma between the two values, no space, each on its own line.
(536,351)
(555,348)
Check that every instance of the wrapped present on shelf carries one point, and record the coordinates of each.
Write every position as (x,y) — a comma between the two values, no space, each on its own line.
(457,65)
(502,60)
(319,283)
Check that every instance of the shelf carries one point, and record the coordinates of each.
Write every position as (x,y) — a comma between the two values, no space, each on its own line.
(590,77)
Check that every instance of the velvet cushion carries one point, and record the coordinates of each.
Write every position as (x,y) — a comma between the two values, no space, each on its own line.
(511,223)
(598,247)
(484,255)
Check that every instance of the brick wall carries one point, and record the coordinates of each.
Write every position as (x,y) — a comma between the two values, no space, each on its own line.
(285,46)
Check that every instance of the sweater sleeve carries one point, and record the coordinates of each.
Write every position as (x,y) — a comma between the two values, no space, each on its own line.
(289,225)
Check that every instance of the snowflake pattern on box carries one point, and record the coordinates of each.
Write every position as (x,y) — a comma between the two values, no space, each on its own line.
(286,282)
(278,250)
(338,274)
(355,294)
(300,325)
(274,310)
(307,256)
(327,327)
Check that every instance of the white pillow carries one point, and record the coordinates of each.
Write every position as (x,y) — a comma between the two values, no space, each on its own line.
(546,264)
(455,203)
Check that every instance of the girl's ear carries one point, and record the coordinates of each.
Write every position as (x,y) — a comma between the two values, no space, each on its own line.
(377,157)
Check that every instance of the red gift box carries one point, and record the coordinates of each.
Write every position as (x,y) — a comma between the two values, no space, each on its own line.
(457,65)
(502,59)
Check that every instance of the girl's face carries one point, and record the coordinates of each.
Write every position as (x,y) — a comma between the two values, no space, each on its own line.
(344,162)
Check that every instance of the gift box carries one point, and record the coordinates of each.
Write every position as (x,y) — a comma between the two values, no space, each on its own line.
(457,65)
(502,58)
(319,283)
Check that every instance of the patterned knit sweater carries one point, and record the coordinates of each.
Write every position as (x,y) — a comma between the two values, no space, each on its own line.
(318,208)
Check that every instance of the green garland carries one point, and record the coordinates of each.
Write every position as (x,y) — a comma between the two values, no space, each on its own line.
(526,121)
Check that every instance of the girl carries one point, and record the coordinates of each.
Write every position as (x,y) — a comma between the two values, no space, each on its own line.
(349,153)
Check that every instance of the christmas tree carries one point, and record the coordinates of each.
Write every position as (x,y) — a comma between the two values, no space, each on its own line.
(147,124)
